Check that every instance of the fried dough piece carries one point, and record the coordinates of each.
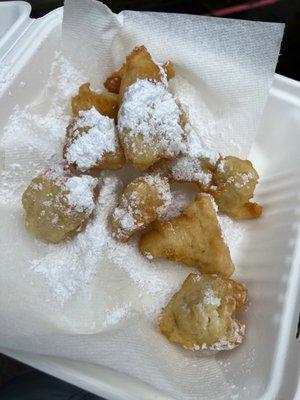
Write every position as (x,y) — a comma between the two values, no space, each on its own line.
(141,202)
(105,103)
(150,120)
(113,82)
(150,125)
(235,181)
(58,205)
(92,143)
(194,238)
(201,315)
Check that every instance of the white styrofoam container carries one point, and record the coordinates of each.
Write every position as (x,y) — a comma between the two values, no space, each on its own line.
(28,45)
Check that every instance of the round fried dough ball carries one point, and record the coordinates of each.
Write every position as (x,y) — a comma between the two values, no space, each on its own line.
(57,206)
(201,315)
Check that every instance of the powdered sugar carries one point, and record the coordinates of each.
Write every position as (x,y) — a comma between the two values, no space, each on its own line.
(196,148)
(163,74)
(81,192)
(195,165)
(163,188)
(210,298)
(116,315)
(179,200)
(99,138)
(32,140)
(244,179)
(68,267)
(148,109)
(189,169)
(238,179)
(238,332)
(221,166)
(232,231)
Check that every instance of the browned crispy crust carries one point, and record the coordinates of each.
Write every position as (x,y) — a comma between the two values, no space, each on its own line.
(106,103)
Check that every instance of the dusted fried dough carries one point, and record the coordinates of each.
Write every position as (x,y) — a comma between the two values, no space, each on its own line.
(201,315)
(193,238)
(140,204)
(235,181)
(105,103)
(113,82)
(139,65)
(150,120)
(145,153)
(92,143)
(51,214)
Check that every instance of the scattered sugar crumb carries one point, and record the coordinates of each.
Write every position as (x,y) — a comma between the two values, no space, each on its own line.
(232,231)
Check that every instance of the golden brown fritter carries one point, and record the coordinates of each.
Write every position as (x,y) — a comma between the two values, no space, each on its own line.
(234,182)
(105,103)
(113,82)
(140,204)
(139,65)
(54,212)
(194,238)
(151,122)
(92,143)
(201,315)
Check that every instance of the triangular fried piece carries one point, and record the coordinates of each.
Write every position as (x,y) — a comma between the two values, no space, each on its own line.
(194,238)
